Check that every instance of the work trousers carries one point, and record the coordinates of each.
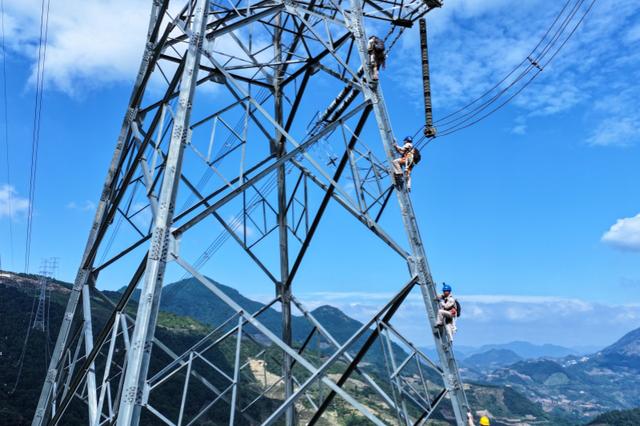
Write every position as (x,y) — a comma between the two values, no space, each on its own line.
(397,168)
(449,321)
(375,66)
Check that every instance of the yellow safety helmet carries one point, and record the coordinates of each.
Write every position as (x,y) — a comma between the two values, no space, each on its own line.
(484,421)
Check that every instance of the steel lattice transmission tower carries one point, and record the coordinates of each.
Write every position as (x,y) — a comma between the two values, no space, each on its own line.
(233,110)
(48,269)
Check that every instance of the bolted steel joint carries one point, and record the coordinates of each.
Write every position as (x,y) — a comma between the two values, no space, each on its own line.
(131,114)
(51,374)
(130,394)
(197,40)
(158,243)
(177,131)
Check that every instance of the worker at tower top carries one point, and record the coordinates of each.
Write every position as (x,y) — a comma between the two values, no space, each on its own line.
(447,311)
(377,57)
(484,420)
(409,157)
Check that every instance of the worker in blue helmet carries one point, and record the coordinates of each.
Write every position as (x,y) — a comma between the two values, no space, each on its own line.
(447,311)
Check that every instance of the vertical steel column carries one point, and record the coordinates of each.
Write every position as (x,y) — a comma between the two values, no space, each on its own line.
(143,333)
(88,347)
(82,276)
(284,290)
(418,264)
(236,375)
(429,130)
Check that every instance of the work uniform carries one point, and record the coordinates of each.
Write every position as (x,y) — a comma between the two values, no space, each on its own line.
(406,159)
(376,57)
(447,314)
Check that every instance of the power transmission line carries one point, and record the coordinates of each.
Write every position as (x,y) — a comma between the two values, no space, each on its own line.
(37,115)
(462,121)
(464,117)
(444,119)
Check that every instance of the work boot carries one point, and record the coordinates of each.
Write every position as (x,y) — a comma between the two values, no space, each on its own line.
(397,180)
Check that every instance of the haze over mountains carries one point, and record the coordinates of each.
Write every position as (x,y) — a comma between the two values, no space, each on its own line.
(574,385)
(189,298)
(16,408)
(563,380)
(517,380)
(503,354)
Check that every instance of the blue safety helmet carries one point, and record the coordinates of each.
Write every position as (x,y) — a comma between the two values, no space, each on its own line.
(446,287)
(408,139)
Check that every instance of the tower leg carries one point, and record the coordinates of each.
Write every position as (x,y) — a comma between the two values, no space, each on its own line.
(284,290)
(46,400)
(419,265)
(142,339)
(88,347)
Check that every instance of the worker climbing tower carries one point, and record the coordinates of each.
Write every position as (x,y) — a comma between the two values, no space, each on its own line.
(248,121)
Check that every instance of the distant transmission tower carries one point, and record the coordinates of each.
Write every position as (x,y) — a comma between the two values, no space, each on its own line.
(39,317)
(48,269)
(225,137)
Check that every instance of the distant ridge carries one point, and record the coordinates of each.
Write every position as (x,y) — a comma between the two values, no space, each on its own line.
(492,358)
(16,296)
(188,297)
(531,350)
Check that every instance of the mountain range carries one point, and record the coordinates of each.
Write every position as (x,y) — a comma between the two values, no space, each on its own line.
(191,299)
(188,297)
(528,350)
(618,418)
(565,390)
(18,397)
(523,350)
(490,359)
(576,386)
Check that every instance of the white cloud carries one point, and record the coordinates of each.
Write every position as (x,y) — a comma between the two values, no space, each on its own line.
(475,44)
(620,131)
(85,206)
(624,234)
(238,225)
(11,204)
(633,34)
(620,118)
(497,318)
(92,44)
(519,129)
(89,43)
(520,126)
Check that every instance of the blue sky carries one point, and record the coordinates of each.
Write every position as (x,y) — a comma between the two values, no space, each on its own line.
(533,214)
